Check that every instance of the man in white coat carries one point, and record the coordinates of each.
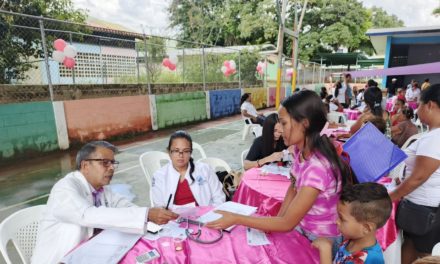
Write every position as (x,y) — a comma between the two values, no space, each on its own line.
(80,204)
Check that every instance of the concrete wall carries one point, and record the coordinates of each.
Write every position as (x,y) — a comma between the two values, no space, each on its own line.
(224,102)
(27,128)
(174,109)
(102,118)
(258,95)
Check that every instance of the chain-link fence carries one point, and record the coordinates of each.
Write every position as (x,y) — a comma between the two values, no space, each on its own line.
(105,56)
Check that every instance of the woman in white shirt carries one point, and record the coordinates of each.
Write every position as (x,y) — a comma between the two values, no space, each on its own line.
(183,180)
(422,185)
(340,93)
(248,110)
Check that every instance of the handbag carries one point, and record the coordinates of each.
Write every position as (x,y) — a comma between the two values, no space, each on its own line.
(415,219)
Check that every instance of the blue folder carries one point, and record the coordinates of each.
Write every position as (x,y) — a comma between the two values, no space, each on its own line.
(372,154)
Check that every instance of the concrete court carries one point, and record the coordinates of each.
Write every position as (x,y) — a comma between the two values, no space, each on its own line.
(220,138)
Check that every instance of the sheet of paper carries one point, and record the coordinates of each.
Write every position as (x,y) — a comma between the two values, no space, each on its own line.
(275,169)
(107,247)
(171,229)
(256,237)
(186,210)
(232,207)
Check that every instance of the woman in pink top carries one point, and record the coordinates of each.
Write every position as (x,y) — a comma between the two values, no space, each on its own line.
(318,175)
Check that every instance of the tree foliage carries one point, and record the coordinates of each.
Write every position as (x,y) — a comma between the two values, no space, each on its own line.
(19,46)
(327,25)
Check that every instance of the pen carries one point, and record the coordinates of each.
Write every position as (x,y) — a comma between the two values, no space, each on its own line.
(169,200)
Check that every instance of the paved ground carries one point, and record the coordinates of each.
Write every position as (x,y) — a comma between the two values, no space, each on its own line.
(28,183)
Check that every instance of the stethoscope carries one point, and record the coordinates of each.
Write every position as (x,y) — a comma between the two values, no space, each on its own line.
(195,236)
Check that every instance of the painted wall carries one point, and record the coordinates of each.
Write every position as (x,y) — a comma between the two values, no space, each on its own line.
(101,118)
(224,102)
(271,91)
(258,95)
(180,108)
(27,128)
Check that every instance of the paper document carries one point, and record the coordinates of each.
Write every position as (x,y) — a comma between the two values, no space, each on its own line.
(256,237)
(171,229)
(275,169)
(232,207)
(107,247)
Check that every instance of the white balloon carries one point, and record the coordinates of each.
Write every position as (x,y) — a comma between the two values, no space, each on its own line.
(224,69)
(232,64)
(70,51)
(58,56)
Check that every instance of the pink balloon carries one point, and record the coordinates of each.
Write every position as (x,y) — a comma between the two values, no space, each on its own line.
(59,44)
(166,62)
(226,64)
(172,67)
(69,62)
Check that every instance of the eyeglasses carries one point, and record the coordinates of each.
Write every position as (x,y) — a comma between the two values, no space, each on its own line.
(185,152)
(106,162)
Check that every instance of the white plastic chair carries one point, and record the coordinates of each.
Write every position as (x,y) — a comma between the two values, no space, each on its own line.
(250,127)
(198,147)
(150,162)
(419,125)
(243,157)
(436,250)
(216,163)
(21,227)
(336,117)
(411,140)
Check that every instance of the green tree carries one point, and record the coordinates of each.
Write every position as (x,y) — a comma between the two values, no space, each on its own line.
(436,12)
(224,22)
(19,45)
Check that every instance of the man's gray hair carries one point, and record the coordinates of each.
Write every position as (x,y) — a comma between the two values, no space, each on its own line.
(89,148)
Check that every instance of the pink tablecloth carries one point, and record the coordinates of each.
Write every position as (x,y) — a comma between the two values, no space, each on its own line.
(352,114)
(267,193)
(232,248)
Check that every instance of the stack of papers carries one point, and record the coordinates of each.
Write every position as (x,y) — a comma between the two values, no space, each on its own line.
(232,207)
(256,237)
(275,169)
(107,247)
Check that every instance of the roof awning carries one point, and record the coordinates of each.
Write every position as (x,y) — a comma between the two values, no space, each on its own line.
(425,68)
(339,58)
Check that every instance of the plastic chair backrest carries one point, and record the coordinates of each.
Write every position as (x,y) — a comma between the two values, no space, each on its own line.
(150,162)
(436,250)
(198,147)
(216,163)
(411,140)
(21,227)
(243,157)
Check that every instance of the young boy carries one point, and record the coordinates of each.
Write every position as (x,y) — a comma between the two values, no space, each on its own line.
(362,209)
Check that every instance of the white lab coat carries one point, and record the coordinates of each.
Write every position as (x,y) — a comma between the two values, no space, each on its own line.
(70,217)
(206,189)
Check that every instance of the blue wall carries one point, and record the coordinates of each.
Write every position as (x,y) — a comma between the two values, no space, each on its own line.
(224,102)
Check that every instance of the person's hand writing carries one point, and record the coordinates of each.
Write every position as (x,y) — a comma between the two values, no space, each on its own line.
(226,221)
(160,216)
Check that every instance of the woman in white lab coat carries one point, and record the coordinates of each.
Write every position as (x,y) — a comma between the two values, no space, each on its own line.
(183,182)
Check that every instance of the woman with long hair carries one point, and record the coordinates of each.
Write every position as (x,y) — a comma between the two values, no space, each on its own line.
(373,107)
(339,93)
(318,174)
(187,182)
(269,146)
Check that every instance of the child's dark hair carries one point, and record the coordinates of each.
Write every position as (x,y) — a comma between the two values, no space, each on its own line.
(308,105)
(408,112)
(184,135)
(369,201)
